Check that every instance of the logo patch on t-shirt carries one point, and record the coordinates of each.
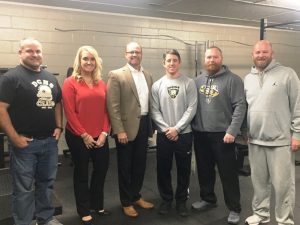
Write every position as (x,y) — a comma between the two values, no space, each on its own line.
(173,91)
(44,94)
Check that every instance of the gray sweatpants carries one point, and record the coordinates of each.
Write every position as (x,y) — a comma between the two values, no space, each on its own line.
(273,166)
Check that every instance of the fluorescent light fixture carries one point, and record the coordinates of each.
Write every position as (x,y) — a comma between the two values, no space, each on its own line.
(292,4)
(284,4)
(289,4)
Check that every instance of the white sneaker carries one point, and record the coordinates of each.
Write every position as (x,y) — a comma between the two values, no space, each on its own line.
(233,218)
(256,220)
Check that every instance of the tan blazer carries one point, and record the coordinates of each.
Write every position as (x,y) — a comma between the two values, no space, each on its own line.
(123,103)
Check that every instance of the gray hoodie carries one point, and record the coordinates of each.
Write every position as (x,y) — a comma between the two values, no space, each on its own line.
(221,102)
(273,96)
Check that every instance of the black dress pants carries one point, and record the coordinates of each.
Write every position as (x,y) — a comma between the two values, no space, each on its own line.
(88,196)
(166,150)
(131,159)
(210,150)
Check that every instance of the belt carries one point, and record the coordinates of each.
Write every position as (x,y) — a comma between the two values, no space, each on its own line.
(38,137)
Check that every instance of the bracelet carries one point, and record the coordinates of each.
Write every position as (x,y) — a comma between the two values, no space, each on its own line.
(61,129)
(105,133)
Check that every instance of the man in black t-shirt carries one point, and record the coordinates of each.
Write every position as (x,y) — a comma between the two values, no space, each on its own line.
(31,117)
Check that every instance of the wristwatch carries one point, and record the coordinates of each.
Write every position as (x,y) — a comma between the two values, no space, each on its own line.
(61,129)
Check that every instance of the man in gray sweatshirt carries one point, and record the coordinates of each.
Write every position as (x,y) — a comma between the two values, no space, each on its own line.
(273,95)
(174,103)
(220,113)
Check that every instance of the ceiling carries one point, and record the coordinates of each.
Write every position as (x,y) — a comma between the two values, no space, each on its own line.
(239,12)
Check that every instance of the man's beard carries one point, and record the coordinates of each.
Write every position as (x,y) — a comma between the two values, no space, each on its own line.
(261,65)
(212,68)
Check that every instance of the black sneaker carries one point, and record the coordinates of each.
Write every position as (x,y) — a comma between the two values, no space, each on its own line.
(164,208)
(182,210)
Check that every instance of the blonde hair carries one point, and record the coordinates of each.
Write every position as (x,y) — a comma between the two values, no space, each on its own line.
(96,74)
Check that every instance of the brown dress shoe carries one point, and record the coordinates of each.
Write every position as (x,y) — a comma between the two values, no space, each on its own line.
(143,204)
(130,211)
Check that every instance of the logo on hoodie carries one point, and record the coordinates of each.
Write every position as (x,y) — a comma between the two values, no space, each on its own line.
(210,91)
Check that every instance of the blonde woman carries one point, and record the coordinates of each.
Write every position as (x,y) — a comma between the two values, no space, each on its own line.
(84,98)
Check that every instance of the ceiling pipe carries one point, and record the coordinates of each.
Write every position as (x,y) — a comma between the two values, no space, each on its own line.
(282,24)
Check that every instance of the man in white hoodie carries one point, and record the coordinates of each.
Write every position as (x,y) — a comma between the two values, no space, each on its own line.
(273,96)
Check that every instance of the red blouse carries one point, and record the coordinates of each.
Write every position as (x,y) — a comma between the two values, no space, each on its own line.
(85,107)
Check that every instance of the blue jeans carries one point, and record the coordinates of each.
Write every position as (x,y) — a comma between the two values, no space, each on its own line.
(33,172)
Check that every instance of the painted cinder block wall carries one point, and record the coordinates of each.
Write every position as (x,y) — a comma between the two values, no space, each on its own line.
(109,33)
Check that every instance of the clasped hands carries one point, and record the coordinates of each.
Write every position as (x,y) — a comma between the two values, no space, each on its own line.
(91,143)
(171,133)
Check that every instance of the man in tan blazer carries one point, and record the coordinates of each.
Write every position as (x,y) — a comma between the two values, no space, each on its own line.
(128,103)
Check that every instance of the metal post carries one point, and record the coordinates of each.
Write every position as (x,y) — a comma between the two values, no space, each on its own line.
(262,29)
(196,59)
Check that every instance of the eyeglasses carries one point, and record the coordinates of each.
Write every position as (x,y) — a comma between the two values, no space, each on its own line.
(134,52)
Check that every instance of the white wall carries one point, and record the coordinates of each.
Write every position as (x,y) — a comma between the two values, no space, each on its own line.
(109,33)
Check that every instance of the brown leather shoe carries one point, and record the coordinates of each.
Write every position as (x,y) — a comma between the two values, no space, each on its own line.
(130,211)
(143,204)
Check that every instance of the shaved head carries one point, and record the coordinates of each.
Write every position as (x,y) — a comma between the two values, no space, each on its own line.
(262,54)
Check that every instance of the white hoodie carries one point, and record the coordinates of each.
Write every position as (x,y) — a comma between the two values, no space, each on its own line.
(273,97)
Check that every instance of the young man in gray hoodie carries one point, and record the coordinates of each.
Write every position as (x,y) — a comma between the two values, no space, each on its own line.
(220,113)
(273,96)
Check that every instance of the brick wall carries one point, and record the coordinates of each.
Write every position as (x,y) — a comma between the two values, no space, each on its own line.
(109,33)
